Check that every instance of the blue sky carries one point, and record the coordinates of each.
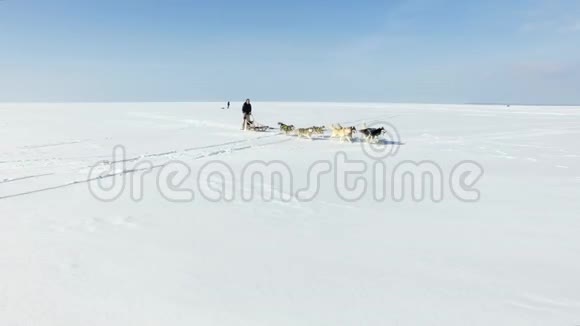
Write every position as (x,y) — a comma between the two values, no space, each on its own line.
(439,51)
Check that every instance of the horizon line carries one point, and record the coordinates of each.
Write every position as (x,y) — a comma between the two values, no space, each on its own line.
(297,101)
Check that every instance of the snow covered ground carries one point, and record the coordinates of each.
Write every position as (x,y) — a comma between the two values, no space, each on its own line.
(67,258)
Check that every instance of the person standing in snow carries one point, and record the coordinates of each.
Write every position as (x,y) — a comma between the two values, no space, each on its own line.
(228,104)
(247,112)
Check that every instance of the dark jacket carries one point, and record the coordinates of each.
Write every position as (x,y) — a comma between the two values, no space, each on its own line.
(247,108)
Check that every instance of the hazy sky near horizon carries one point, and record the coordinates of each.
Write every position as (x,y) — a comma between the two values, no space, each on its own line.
(444,51)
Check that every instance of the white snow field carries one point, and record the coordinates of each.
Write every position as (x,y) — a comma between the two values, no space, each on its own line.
(66,258)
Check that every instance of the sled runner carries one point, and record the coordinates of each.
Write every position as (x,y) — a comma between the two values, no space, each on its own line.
(252,125)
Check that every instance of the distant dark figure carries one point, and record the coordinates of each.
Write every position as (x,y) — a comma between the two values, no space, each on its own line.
(228,104)
(247,112)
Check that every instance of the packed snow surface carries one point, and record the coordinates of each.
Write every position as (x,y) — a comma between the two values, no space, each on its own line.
(505,251)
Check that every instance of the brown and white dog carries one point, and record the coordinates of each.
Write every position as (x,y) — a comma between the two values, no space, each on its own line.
(344,133)
(335,130)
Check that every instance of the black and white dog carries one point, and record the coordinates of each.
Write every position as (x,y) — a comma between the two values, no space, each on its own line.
(286,129)
(372,134)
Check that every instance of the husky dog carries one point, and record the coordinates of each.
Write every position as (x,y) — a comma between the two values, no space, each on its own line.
(286,129)
(304,132)
(335,130)
(318,130)
(345,133)
(372,134)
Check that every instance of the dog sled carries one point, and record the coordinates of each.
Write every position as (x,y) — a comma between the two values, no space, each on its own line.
(252,125)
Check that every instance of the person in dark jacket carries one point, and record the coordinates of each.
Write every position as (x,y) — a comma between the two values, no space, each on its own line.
(228,104)
(247,112)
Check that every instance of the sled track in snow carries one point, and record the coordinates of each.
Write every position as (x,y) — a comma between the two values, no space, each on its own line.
(54,144)
(103,157)
(166,153)
(135,158)
(26,177)
(160,154)
(198,157)
(190,149)
(51,159)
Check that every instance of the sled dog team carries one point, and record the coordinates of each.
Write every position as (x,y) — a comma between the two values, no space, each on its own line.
(338,131)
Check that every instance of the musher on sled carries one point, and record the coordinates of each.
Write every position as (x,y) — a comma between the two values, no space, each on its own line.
(247,114)
(249,123)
